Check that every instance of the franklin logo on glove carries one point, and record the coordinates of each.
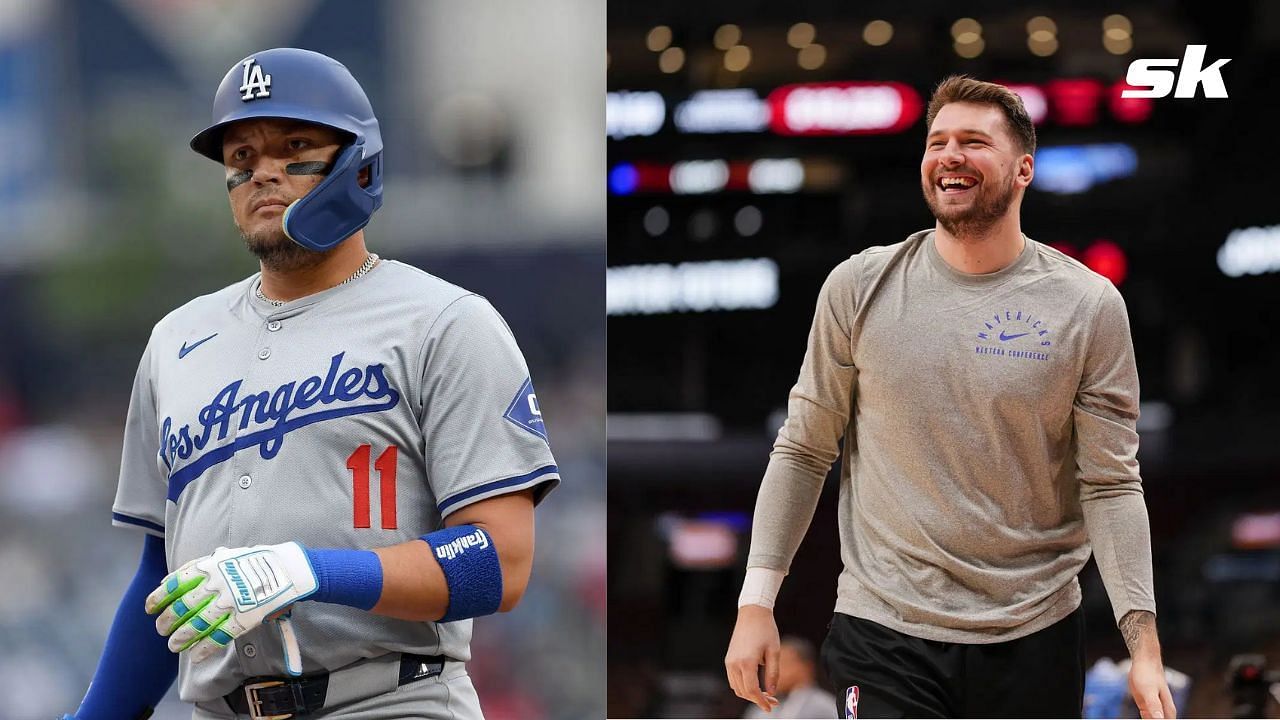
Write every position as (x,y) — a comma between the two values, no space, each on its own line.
(229,569)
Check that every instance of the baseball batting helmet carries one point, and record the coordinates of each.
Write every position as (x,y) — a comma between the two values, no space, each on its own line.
(298,84)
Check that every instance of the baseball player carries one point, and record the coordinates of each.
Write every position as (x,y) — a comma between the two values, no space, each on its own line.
(985,389)
(335,461)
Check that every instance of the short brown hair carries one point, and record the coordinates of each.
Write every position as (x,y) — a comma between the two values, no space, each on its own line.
(962,88)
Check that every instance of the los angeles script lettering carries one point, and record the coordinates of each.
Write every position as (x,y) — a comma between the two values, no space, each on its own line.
(275,408)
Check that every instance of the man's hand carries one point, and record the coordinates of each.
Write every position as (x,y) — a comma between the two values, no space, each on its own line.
(1147,682)
(212,600)
(755,642)
(1150,690)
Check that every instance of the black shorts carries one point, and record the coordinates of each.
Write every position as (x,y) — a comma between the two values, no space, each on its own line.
(882,673)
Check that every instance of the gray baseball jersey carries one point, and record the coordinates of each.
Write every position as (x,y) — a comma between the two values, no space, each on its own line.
(356,417)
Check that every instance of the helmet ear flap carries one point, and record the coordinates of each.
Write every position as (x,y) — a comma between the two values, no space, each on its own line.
(338,207)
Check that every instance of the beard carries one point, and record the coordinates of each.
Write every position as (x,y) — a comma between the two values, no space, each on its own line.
(972,222)
(278,253)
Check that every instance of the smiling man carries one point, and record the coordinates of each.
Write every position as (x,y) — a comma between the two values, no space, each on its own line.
(335,461)
(985,389)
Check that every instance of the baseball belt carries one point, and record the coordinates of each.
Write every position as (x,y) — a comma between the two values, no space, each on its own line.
(281,698)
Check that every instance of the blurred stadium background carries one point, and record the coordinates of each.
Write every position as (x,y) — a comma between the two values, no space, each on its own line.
(753,145)
(491,116)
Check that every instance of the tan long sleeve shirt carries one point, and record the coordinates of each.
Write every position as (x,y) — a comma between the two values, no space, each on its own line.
(989,427)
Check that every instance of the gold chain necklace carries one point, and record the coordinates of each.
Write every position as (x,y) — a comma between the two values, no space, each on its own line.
(365,267)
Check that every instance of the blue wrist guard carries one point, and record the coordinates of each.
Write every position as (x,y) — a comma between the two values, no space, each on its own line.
(346,577)
(471,569)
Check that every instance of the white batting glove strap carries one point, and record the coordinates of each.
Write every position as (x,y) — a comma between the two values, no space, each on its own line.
(210,601)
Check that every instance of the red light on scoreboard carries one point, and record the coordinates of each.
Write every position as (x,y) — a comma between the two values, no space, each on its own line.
(1132,110)
(1108,260)
(1075,101)
(739,177)
(1033,99)
(652,178)
(1103,257)
(844,108)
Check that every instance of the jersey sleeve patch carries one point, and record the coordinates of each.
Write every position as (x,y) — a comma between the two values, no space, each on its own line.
(524,411)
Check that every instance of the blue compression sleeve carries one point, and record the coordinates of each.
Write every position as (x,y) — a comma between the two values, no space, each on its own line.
(346,577)
(136,667)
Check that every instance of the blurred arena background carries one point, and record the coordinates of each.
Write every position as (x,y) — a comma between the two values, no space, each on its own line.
(754,145)
(491,115)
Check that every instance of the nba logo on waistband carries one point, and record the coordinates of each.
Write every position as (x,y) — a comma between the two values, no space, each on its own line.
(851,703)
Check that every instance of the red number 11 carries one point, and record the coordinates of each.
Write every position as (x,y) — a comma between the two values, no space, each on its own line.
(358,464)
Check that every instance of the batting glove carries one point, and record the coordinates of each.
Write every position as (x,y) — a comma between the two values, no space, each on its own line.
(212,600)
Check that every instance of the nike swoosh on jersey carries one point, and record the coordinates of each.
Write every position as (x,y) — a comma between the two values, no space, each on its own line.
(182,352)
(1005,338)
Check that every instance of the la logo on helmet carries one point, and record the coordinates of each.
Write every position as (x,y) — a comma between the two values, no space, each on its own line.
(254,84)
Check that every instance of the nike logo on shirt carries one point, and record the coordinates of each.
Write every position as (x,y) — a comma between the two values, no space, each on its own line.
(1006,338)
(182,352)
